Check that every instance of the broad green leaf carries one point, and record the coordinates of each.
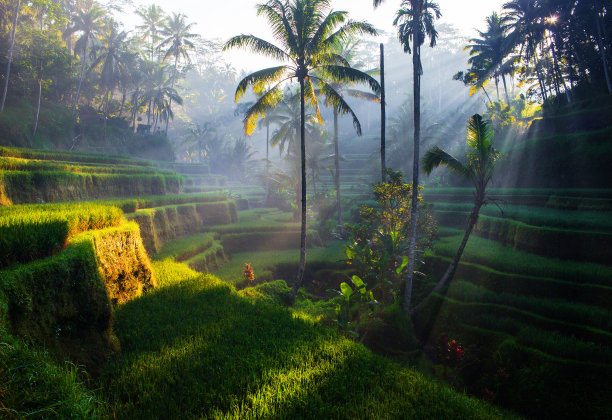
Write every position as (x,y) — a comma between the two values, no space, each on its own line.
(403,265)
(347,291)
(358,282)
(350,253)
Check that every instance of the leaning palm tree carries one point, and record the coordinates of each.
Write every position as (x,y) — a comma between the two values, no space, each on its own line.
(415,21)
(178,40)
(479,169)
(306,30)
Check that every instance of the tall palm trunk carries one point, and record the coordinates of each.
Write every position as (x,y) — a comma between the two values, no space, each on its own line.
(170,105)
(302,267)
(78,94)
(414,210)
(383,116)
(40,76)
(337,170)
(267,196)
(505,88)
(603,54)
(10,57)
(450,271)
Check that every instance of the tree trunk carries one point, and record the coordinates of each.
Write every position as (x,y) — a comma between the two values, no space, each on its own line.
(39,98)
(383,117)
(78,94)
(170,105)
(414,210)
(337,170)
(450,271)
(497,86)
(267,196)
(603,55)
(301,268)
(506,89)
(10,57)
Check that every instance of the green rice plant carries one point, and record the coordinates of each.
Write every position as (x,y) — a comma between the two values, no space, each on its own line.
(131,205)
(540,216)
(34,385)
(266,241)
(494,255)
(564,310)
(69,156)
(229,356)
(29,187)
(208,260)
(30,232)
(269,261)
(18,164)
(186,247)
(521,284)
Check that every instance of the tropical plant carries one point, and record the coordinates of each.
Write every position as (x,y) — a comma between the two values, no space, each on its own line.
(89,23)
(415,21)
(153,18)
(10,57)
(306,30)
(482,158)
(488,54)
(178,43)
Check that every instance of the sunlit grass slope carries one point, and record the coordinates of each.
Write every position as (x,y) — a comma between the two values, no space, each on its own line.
(195,348)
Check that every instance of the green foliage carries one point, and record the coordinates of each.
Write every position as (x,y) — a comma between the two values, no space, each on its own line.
(379,242)
(67,156)
(30,232)
(267,363)
(357,303)
(186,247)
(494,255)
(34,385)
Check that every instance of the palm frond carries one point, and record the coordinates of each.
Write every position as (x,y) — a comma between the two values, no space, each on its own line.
(350,75)
(256,45)
(334,99)
(259,79)
(268,101)
(435,157)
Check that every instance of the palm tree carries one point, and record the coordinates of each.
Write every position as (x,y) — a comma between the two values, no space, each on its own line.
(490,51)
(153,19)
(415,21)
(89,23)
(306,31)
(10,57)
(178,40)
(479,168)
(111,56)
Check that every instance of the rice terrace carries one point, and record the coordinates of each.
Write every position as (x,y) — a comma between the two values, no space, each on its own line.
(305,209)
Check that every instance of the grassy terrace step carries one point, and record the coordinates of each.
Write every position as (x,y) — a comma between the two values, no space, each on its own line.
(131,205)
(17,164)
(545,379)
(67,297)
(498,257)
(30,232)
(556,309)
(228,356)
(267,263)
(205,180)
(184,168)
(161,224)
(30,187)
(521,284)
(70,156)
(540,216)
(571,199)
(185,247)
(547,241)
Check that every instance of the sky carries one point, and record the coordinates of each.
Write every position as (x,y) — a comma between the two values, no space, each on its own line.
(226,18)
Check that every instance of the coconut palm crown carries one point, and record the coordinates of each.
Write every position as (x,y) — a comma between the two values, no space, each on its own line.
(306,32)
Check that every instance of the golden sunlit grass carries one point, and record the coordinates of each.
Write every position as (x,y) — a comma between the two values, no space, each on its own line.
(195,348)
